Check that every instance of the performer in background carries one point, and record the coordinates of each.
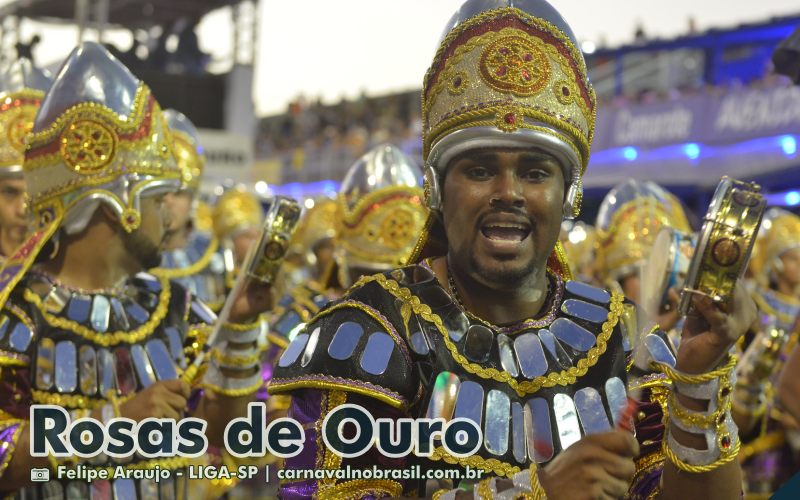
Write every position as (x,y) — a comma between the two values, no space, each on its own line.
(489,326)
(769,455)
(192,256)
(579,241)
(82,327)
(21,90)
(237,217)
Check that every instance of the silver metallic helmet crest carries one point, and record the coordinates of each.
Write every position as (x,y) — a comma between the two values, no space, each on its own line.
(186,148)
(99,137)
(22,87)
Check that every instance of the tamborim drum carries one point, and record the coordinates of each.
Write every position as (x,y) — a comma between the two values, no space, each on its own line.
(725,242)
(279,225)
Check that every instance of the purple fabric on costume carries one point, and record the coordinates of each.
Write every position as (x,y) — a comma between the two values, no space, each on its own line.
(6,445)
(646,484)
(306,408)
(194,399)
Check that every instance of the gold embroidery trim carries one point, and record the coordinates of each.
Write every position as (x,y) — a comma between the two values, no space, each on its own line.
(353,490)
(235,393)
(279,387)
(244,327)
(109,338)
(476,462)
(563,378)
(199,265)
(325,457)
(72,401)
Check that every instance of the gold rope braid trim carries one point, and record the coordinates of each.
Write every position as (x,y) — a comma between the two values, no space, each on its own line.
(277,387)
(326,458)
(235,393)
(73,401)
(107,339)
(765,307)
(199,265)
(11,443)
(761,444)
(305,301)
(677,376)
(564,377)
(638,384)
(245,327)
(561,256)
(462,121)
(476,462)
(725,458)
(12,359)
(227,358)
(353,490)
(277,340)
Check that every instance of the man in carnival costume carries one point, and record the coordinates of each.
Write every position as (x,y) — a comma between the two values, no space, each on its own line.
(628,222)
(237,217)
(769,453)
(21,91)
(82,327)
(192,257)
(490,328)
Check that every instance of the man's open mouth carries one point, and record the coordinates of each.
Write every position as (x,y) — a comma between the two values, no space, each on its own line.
(506,231)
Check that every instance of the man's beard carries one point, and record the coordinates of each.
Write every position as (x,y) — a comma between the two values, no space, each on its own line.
(509,276)
(145,251)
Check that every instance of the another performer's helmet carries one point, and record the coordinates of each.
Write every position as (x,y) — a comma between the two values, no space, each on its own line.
(579,240)
(236,210)
(381,210)
(508,73)
(186,148)
(22,88)
(99,137)
(780,232)
(628,221)
(318,224)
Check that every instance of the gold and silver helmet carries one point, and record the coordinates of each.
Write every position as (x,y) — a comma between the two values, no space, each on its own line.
(508,73)
(236,210)
(779,233)
(22,88)
(186,148)
(381,210)
(99,137)
(628,221)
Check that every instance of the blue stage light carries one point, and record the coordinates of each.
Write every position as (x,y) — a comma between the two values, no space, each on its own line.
(630,153)
(792,198)
(789,145)
(692,150)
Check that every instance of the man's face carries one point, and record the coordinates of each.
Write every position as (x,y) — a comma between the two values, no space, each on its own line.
(179,207)
(791,267)
(502,212)
(145,242)
(242,242)
(12,208)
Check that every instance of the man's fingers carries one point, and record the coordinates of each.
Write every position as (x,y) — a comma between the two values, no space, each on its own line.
(709,311)
(616,488)
(175,400)
(177,386)
(619,467)
(621,443)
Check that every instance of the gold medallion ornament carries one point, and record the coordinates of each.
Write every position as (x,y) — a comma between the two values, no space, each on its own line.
(88,146)
(515,64)
(17,112)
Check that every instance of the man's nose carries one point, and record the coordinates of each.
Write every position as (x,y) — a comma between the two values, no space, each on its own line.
(508,190)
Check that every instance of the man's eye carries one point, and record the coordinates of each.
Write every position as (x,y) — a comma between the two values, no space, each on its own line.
(535,175)
(479,172)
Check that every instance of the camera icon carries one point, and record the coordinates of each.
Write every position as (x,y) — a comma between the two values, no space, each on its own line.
(40,475)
